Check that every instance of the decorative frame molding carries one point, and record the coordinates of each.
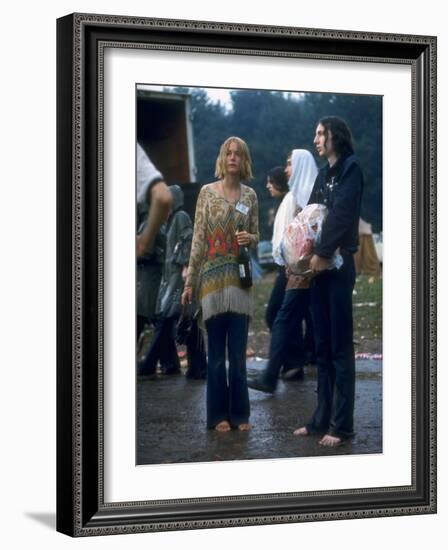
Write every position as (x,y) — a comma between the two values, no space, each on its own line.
(81,39)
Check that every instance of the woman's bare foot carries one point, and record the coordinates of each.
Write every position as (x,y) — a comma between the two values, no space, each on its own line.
(223,426)
(330,441)
(301,431)
(243,427)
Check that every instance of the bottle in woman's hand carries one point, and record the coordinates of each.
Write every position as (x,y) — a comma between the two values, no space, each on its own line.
(244,265)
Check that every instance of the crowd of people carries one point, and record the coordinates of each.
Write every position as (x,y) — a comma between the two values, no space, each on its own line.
(189,270)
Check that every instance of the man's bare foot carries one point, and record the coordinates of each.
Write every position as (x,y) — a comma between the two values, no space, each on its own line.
(301,431)
(223,426)
(243,427)
(330,441)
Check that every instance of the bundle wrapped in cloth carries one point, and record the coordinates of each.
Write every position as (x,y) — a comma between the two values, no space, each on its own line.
(300,238)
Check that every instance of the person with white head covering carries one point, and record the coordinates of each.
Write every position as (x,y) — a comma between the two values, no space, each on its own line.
(288,306)
(277,185)
(302,170)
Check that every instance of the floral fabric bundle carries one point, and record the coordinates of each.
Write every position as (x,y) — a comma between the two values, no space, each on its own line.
(300,237)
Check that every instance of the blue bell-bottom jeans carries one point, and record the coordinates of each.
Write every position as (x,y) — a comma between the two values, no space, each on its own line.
(294,345)
(227,392)
(285,330)
(331,309)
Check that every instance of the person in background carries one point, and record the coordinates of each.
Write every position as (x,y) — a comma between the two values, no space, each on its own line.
(178,243)
(339,186)
(277,185)
(287,327)
(301,170)
(226,217)
(153,206)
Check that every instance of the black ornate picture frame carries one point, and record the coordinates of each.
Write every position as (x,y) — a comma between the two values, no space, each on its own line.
(81,508)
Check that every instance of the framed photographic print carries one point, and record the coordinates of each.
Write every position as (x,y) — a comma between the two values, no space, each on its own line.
(155,101)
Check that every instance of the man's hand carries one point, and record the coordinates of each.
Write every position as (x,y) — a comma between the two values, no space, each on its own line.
(318,264)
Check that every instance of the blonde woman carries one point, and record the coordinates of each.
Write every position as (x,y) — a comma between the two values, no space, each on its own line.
(226,217)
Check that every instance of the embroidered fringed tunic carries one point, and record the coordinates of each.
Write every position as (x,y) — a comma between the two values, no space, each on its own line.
(213,267)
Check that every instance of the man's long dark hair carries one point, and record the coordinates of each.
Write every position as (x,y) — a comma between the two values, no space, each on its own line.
(341,135)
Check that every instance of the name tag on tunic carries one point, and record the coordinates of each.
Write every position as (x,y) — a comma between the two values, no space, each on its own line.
(242,208)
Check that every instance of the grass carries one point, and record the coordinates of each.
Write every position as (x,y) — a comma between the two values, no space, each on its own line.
(367,315)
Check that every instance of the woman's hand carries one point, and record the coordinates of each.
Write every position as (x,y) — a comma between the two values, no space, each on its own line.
(243,238)
(187,296)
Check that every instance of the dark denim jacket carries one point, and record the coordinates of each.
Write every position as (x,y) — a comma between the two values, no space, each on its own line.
(339,188)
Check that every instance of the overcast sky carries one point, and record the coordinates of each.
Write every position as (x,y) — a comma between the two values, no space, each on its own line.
(215,94)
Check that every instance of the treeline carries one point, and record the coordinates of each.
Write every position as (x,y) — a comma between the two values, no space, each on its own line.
(274,123)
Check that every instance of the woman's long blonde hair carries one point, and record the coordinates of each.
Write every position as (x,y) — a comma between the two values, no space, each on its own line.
(246,162)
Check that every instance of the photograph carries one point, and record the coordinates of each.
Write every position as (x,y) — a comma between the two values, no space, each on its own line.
(258,274)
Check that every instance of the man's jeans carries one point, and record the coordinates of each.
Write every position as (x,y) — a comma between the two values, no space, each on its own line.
(227,398)
(331,309)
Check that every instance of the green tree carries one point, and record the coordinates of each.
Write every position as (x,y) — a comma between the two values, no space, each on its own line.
(274,123)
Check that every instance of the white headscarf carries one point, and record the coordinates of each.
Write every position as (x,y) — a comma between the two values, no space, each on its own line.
(284,216)
(303,175)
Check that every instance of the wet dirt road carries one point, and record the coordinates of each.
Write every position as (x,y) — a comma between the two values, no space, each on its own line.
(171,424)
